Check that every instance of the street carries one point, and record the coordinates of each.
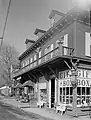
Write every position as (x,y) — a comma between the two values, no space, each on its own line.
(10,113)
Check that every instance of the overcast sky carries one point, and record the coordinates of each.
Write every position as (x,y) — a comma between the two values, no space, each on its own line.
(27,15)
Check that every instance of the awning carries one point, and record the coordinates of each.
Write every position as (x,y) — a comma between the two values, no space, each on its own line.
(19,85)
(28,83)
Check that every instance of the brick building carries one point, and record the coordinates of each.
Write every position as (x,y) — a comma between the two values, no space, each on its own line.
(48,62)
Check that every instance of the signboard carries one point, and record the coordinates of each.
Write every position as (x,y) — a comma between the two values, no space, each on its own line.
(80,73)
(83,78)
(80,83)
(42,86)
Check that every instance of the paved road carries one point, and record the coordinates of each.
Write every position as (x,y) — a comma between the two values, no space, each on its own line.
(10,113)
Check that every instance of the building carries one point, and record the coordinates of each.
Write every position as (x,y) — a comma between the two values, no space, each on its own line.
(59,61)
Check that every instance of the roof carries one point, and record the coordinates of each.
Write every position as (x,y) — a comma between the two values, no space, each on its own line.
(73,15)
(53,12)
(39,30)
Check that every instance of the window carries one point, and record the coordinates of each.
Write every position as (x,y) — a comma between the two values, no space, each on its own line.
(35,58)
(51,50)
(28,61)
(65,43)
(23,65)
(57,44)
(83,94)
(39,57)
(31,60)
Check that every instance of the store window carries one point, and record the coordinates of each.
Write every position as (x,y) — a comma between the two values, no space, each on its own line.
(66,95)
(83,94)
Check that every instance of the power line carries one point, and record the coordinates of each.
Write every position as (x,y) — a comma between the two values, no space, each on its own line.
(8,9)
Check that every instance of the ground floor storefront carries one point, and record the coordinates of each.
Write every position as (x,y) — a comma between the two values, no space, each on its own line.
(59,90)
(54,85)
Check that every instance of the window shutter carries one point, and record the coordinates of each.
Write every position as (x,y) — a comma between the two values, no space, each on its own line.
(51,46)
(65,43)
(65,40)
(39,54)
(39,57)
(31,61)
(51,50)
(87,43)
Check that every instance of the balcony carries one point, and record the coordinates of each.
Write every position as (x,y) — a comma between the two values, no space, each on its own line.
(57,52)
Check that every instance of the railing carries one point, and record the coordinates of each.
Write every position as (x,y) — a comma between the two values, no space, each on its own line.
(56,52)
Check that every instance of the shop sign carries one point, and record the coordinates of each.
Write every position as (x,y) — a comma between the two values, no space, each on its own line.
(42,86)
(80,73)
(80,83)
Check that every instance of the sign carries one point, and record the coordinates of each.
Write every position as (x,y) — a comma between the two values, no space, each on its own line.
(80,83)
(80,73)
(42,86)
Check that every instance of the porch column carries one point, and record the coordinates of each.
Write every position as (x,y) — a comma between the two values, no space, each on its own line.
(90,95)
(58,91)
(49,93)
(73,82)
(55,90)
(38,93)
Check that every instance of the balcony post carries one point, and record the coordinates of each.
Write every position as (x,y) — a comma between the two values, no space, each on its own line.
(74,85)
(60,48)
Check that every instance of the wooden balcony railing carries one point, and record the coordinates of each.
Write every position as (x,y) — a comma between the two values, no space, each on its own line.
(56,52)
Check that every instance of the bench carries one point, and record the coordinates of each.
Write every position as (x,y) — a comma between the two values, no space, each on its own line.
(61,108)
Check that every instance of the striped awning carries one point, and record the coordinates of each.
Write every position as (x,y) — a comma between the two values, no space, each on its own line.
(19,85)
(28,83)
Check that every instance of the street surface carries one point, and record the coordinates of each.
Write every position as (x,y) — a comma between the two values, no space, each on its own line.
(10,113)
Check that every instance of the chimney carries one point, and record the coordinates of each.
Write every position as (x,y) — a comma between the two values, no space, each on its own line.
(55,16)
(39,32)
(29,43)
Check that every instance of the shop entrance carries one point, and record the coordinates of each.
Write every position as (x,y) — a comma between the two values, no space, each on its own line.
(52,92)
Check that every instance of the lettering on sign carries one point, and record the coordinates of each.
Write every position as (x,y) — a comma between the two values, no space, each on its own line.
(80,83)
(80,73)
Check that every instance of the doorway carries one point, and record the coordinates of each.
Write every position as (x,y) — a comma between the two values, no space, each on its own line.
(52,92)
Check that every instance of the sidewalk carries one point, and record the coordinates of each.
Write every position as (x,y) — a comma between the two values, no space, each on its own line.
(48,113)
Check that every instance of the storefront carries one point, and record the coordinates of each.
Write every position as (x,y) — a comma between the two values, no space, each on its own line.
(83,87)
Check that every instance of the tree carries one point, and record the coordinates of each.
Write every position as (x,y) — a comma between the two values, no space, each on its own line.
(8,58)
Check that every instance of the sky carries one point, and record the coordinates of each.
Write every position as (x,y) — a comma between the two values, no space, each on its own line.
(27,15)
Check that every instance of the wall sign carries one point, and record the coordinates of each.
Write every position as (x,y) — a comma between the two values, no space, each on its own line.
(80,83)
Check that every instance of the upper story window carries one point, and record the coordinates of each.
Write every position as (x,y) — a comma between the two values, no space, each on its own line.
(31,60)
(23,65)
(35,57)
(40,56)
(27,62)
(57,44)
(87,44)
(65,40)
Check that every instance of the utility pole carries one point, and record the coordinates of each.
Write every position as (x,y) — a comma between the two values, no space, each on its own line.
(6,19)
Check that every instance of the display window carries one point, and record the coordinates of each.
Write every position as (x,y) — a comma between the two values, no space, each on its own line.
(66,95)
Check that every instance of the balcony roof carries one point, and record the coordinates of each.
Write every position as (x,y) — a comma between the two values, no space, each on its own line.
(75,14)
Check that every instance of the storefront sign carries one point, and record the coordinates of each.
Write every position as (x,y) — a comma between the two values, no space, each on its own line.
(80,83)
(80,73)
(42,86)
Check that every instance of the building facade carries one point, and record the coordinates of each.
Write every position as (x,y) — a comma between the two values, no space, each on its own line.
(49,61)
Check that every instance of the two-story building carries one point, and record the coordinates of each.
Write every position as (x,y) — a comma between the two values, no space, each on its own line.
(47,62)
